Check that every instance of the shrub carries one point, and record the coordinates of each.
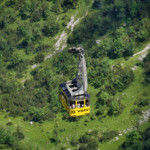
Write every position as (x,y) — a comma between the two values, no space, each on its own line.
(51,27)
(68,4)
(39,58)
(65,116)
(6,138)
(99,112)
(146,66)
(82,147)
(136,110)
(9,123)
(71,119)
(18,134)
(86,120)
(93,133)
(65,20)
(74,142)
(49,115)
(147,145)
(88,143)
(120,109)
(133,141)
(15,59)
(113,108)
(19,75)
(92,145)
(84,139)
(108,136)
(93,117)
(103,98)
(143,101)
(35,113)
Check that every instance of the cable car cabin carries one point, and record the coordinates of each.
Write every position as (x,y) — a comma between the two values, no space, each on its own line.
(73,94)
(75,106)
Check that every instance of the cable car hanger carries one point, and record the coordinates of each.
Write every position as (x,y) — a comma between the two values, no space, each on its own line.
(73,94)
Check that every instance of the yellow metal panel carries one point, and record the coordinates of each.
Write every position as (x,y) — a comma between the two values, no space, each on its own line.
(80,111)
(74,112)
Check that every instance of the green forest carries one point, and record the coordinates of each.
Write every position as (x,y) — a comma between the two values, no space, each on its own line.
(34,39)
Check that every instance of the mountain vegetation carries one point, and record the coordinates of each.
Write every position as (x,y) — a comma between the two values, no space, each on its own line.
(111,32)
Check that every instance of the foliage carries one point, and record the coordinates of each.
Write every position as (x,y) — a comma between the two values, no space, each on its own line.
(64,5)
(108,136)
(51,27)
(39,58)
(118,78)
(68,4)
(146,66)
(98,71)
(6,138)
(137,141)
(27,31)
(36,93)
(136,110)
(133,141)
(55,134)
(123,19)
(122,44)
(35,113)
(84,139)
(15,59)
(103,98)
(9,140)
(74,142)
(113,108)
(29,25)
(101,110)
(142,101)
(18,134)
(65,68)
(88,142)
(146,139)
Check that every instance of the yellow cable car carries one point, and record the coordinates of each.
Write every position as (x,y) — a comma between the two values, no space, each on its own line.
(75,106)
(72,94)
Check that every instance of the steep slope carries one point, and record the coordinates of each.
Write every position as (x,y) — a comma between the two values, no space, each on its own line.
(115,36)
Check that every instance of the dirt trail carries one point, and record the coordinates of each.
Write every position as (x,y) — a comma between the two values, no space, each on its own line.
(62,40)
(144,50)
(145,114)
(142,53)
(144,118)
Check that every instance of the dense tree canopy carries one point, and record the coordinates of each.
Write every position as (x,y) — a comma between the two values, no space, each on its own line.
(127,21)
(108,30)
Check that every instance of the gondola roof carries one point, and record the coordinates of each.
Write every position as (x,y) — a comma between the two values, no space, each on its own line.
(68,94)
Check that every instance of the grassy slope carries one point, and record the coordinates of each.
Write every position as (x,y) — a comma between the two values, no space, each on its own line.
(39,134)
(77,13)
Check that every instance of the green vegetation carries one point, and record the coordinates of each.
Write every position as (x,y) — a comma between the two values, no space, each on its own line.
(125,22)
(136,140)
(8,140)
(146,66)
(31,116)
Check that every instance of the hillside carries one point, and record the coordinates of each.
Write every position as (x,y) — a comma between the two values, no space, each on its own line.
(34,38)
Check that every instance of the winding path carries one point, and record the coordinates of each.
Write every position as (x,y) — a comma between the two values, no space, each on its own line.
(142,53)
(144,50)
(62,40)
